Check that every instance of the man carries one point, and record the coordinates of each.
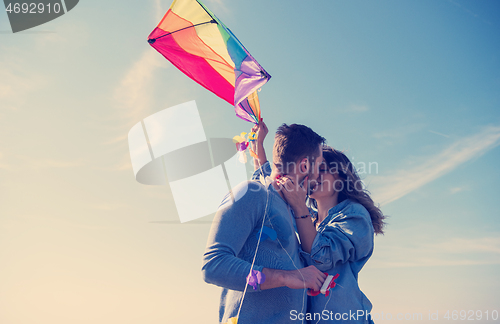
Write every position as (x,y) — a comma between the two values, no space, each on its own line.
(235,233)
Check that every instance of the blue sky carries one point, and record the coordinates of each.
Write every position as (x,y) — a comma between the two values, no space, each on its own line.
(411,86)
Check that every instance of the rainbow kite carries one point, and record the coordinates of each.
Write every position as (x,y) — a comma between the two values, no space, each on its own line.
(200,45)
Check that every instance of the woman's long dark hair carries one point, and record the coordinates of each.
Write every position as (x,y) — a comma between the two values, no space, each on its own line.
(352,186)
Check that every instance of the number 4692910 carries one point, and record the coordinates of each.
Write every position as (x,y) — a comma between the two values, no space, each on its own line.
(471,315)
(33,8)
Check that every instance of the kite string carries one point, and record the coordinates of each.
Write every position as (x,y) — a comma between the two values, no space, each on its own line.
(258,241)
(329,297)
(300,272)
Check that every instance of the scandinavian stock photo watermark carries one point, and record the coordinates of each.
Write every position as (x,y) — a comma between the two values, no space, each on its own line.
(164,151)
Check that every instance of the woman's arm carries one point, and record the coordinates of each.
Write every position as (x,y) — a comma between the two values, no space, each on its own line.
(295,196)
(348,237)
(258,145)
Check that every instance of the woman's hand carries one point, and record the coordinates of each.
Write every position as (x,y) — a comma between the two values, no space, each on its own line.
(294,194)
(261,131)
(258,145)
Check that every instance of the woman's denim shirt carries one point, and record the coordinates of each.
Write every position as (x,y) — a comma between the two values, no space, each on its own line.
(231,247)
(343,245)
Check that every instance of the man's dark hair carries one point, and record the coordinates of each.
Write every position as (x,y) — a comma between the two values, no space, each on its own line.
(295,142)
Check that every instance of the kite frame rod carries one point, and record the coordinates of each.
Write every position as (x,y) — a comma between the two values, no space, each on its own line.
(152,40)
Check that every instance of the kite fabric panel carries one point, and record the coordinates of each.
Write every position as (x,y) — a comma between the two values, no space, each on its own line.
(193,39)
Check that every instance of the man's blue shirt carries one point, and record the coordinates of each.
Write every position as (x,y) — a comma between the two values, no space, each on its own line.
(231,247)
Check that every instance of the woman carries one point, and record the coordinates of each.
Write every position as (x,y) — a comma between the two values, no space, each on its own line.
(336,231)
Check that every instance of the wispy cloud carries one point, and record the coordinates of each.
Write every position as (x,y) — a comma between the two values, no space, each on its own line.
(21,220)
(27,162)
(134,93)
(390,188)
(441,134)
(398,133)
(124,164)
(461,245)
(159,10)
(115,140)
(64,39)
(217,5)
(470,12)
(358,108)
(109,206)
(3,165)
(133,99)
(452,252)
(53,163)
(140,93)
(16,83)
(455,190)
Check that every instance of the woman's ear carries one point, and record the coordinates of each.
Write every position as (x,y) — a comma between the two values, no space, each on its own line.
(338,183)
